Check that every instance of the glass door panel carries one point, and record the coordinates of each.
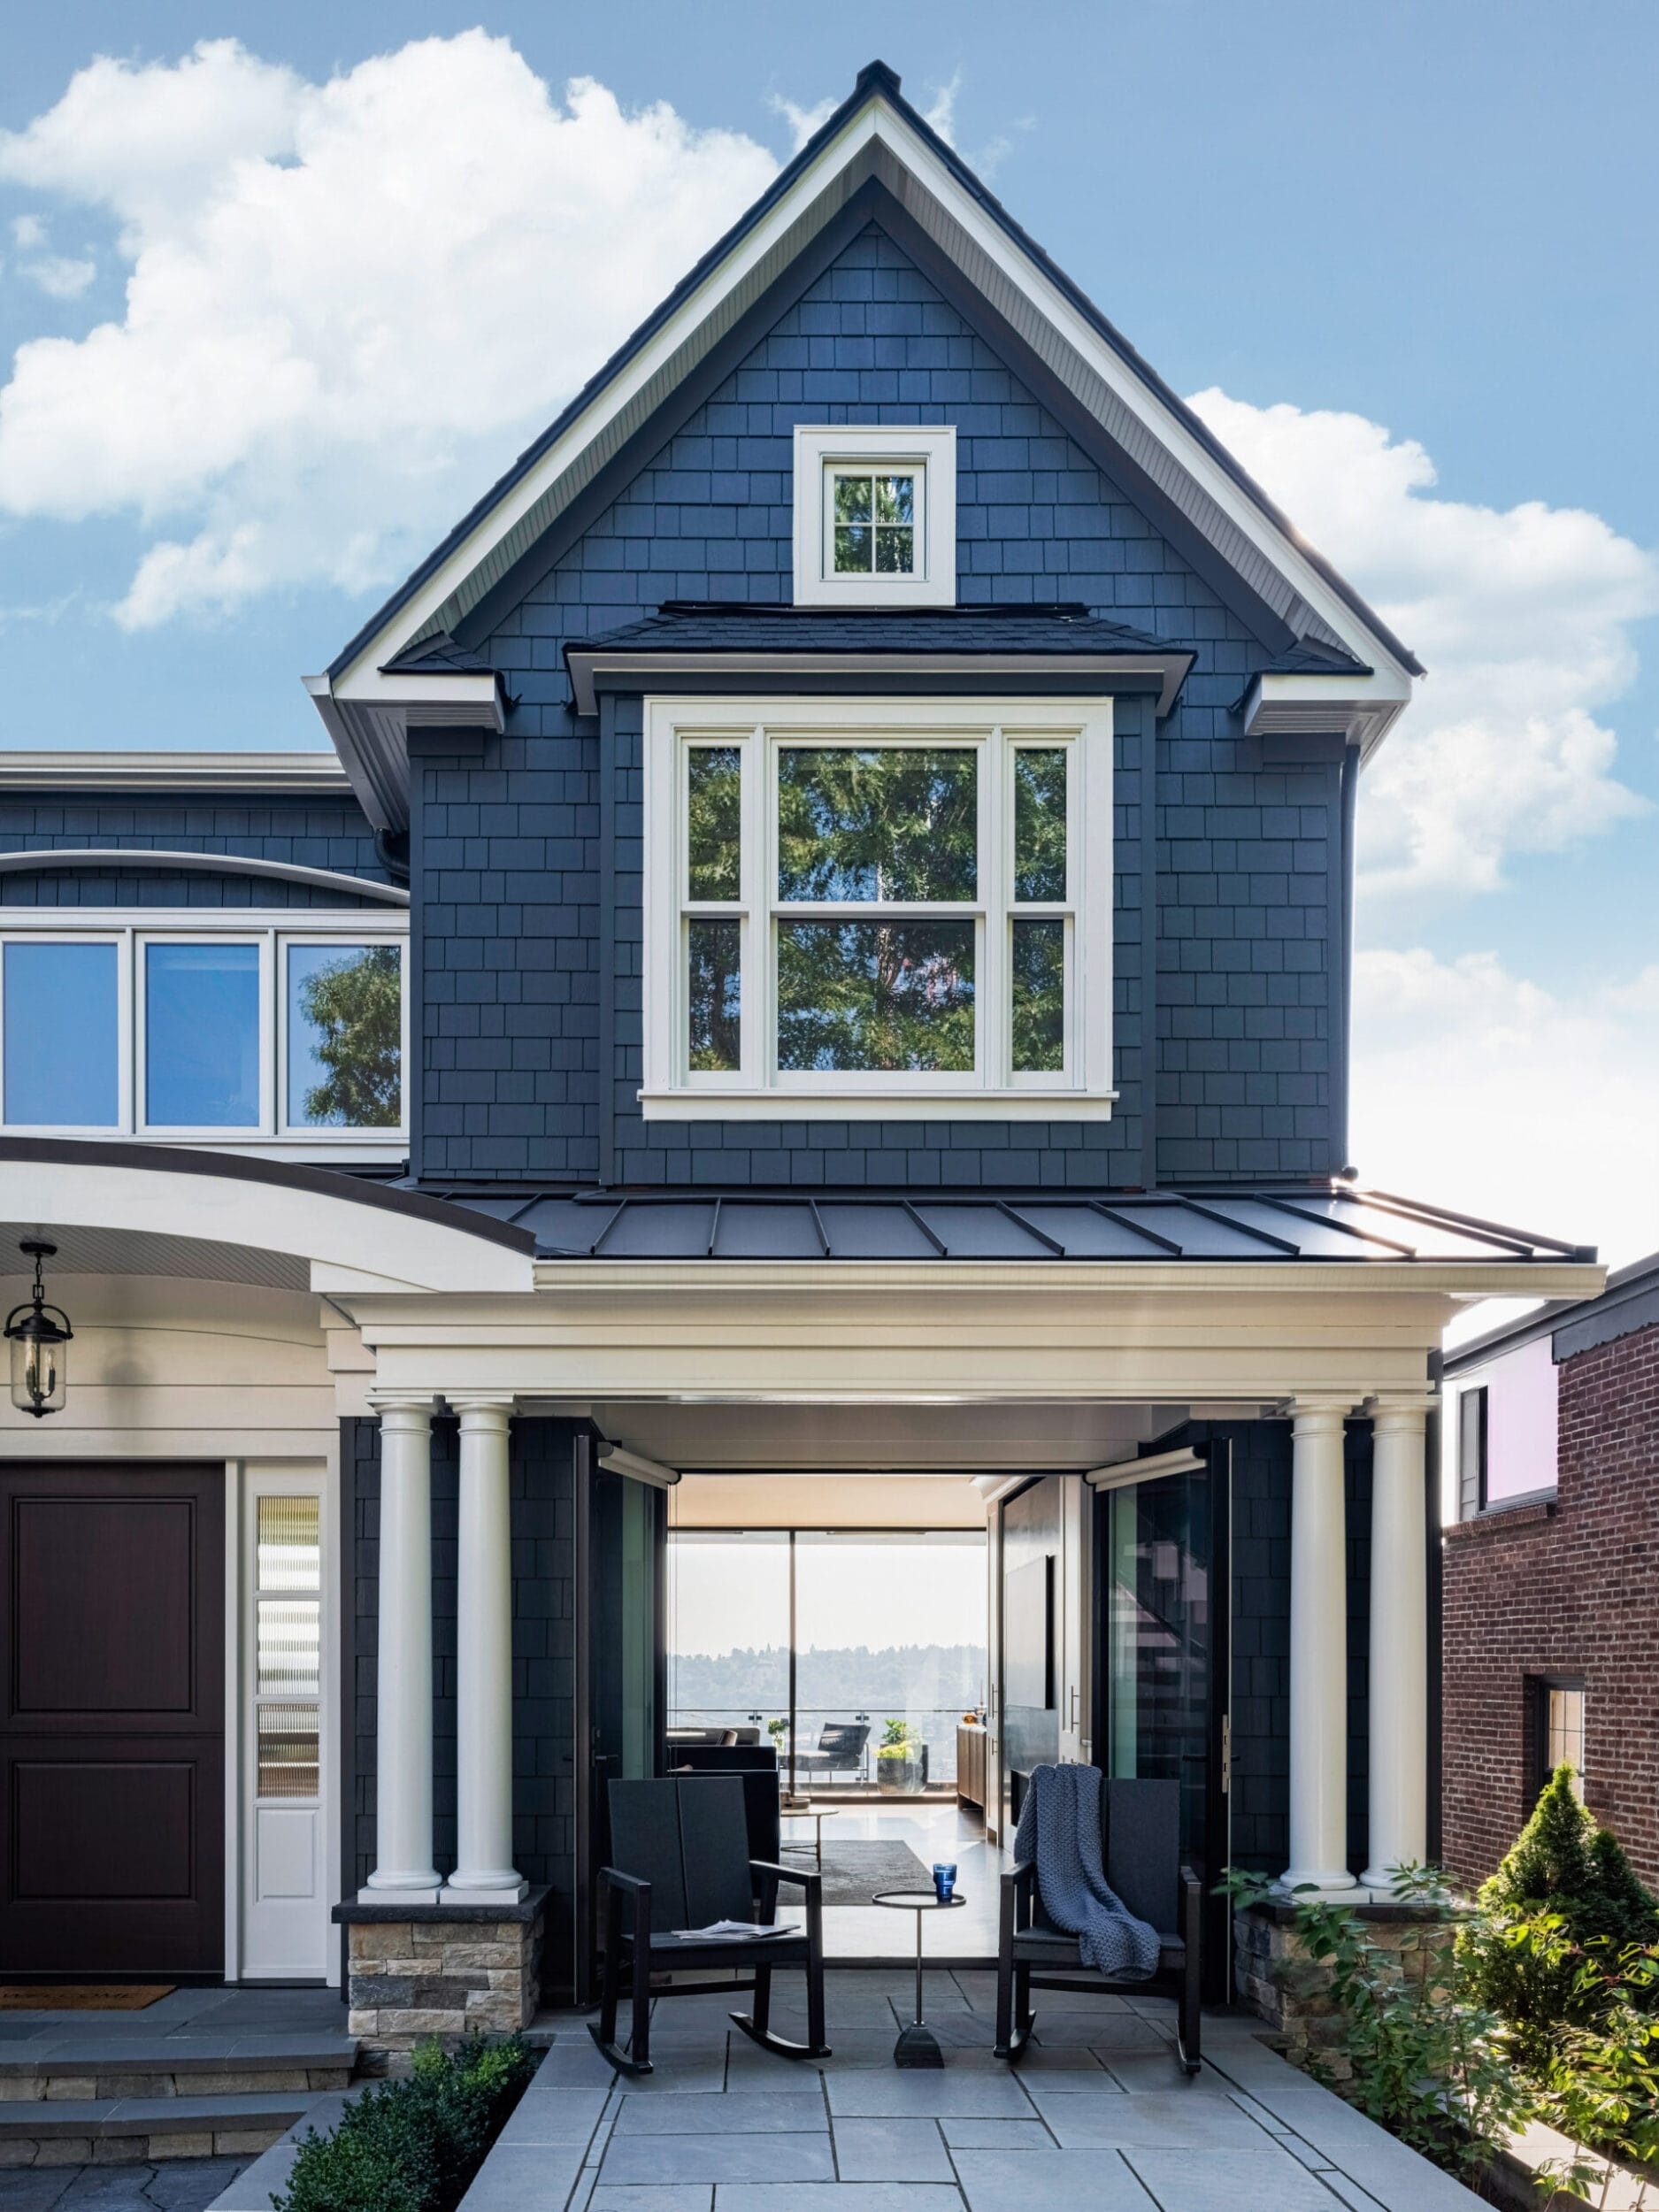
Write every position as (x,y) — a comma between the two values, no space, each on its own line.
(1158,1633)
(728,1633)
(890,1654)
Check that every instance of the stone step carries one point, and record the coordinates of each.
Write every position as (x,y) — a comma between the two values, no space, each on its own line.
(255,2186)
(99,2067)
(144,2130)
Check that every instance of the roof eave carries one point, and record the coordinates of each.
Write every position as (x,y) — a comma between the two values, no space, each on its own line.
(591,671)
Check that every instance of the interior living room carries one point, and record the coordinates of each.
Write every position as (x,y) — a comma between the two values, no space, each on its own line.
(835,1632)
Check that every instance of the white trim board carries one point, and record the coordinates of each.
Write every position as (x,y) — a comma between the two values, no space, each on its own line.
(47,859)
(240,773)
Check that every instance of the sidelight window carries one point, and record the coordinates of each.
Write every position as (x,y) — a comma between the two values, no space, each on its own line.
(870,906)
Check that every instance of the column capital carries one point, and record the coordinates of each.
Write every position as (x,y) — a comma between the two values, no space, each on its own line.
(1401,1409)
(482,1409)
(402,1407)
(1312,1412)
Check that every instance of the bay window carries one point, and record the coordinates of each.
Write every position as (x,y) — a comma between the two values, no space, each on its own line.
(865,908)
(270,1030)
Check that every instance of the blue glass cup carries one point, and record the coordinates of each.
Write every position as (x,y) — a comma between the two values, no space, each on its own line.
(944,1881)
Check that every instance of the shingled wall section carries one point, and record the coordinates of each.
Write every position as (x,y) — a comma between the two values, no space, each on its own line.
(512,847)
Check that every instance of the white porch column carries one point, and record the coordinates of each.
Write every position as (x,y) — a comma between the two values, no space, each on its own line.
(403,1870)
(1398,1828)
(1318,1653)
(484,1870)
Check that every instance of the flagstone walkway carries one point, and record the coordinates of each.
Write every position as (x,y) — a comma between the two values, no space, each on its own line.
(1097,2117)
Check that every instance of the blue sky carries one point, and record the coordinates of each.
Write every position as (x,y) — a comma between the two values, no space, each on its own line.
(1437,223)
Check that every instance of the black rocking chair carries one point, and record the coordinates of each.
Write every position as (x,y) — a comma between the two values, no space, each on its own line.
(1140,1831)
(681,1853)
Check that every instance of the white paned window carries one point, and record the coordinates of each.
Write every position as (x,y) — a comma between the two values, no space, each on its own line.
(875,517)
(275,1030)
(877,909)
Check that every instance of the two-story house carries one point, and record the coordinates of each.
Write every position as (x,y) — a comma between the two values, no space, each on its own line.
(821,946)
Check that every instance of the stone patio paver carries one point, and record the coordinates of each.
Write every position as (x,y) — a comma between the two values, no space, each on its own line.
(1097,2117)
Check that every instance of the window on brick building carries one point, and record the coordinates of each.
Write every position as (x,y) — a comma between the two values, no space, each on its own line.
(1472,1453)
(1557,1730)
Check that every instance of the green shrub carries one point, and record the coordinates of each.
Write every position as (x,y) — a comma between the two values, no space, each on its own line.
(413,2146)
(1431,2067)
(1566,1896)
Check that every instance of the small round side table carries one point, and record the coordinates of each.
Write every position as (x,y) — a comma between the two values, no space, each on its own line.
(918,2045)
(817,1815)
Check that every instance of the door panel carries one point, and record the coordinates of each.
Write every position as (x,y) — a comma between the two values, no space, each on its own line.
(111,1735)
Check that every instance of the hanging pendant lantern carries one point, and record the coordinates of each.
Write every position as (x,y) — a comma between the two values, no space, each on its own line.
(37,1333)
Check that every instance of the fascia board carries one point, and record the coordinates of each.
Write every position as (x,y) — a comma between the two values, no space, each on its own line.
(1269,538)
(595,1281)
(243,774)
(878,124)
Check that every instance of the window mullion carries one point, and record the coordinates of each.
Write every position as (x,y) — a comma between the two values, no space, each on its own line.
(995,884)
(757,880)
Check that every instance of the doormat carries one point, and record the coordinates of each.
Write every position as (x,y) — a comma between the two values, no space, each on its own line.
(82,1997)
(853,1872)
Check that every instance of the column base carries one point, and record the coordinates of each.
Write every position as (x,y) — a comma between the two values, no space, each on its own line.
(1329,1881)
(450,1969)
(1380,1881)
(492,1890)
(374,1893)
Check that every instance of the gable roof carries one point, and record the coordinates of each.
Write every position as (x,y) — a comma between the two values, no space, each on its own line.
(875,149)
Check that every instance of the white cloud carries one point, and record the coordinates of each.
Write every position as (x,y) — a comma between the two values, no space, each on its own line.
(348,304)
(58,276)
(802,121)
(1522,616)
(941,112)
(1476,1088)
(29,232)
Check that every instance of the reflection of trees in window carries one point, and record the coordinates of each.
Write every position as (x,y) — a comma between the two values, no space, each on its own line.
(876,996)
(353,1007)
(1039,824)
(875,525)
(877,823)
(1038,997)
(714,820)
(714,995)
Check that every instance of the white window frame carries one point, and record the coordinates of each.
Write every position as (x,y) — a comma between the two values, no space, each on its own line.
(130,930)
(931,453)
(757,1090)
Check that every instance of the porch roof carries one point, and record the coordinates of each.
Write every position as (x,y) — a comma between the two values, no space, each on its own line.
(1320,1223)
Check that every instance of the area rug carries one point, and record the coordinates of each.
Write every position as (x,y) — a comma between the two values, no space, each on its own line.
(853,1872)
(85,1997)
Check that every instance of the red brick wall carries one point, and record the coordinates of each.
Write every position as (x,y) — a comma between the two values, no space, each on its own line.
(1574,1591)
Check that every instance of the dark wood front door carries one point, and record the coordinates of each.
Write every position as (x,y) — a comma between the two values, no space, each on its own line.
(112,1735)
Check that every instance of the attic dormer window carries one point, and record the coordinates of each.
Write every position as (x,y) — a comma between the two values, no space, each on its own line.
(875,517)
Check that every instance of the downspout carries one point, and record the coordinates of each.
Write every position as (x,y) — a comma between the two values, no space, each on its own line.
(1348,805)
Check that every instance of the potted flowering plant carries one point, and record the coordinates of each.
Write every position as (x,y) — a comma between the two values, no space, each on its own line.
(901,1760)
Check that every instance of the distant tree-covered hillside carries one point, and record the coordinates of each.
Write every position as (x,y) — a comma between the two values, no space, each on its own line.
(854,1677)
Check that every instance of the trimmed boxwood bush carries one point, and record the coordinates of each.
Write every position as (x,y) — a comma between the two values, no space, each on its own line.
(413,2146)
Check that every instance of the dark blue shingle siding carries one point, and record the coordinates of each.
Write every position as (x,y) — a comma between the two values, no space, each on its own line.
(512,853)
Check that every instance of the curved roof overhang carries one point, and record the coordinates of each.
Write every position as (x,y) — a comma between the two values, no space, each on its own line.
(349,1233)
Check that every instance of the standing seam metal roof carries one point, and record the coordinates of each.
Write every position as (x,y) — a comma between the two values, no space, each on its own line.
(1302,1224)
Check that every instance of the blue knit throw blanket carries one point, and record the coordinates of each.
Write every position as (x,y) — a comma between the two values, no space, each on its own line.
(1059,1827)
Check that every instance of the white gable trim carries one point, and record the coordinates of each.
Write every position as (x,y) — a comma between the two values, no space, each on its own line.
(877,141)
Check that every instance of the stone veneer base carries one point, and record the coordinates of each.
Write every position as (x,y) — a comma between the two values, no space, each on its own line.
(1277,1980)
(447,1970)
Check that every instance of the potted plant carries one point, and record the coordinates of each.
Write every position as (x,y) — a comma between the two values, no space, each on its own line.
(901,1760)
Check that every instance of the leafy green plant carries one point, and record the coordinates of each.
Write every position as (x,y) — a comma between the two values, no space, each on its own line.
(1433,2069)
(413,2146)
(899,1738)
(1604,2081)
